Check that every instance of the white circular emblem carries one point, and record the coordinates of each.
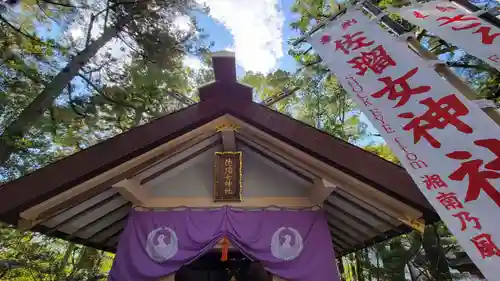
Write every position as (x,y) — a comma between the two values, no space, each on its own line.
(156,247)
(286,251)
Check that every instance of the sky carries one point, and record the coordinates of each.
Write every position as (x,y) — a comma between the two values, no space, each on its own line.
(257,31)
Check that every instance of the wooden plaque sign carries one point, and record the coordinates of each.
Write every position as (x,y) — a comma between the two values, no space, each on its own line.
(228,174)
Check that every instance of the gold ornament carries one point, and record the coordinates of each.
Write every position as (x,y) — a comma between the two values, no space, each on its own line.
(227,127)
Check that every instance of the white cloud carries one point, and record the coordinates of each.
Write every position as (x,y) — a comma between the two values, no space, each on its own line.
(257,29)
(76,33)
(193,62)
(183,23)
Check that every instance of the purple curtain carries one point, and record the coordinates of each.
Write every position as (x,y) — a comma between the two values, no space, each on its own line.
(190,232)
(295,245)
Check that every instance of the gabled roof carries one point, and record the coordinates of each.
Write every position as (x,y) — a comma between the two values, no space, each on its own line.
(225,97)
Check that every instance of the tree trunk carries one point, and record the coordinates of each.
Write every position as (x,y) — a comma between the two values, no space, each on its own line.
(31,114)
(59,269)
(435,254)
(359,267)
(412,273)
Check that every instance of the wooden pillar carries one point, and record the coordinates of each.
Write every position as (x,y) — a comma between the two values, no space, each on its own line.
(170,277)
(277,278)
(340,265)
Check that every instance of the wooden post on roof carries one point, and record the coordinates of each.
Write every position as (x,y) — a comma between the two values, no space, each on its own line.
(228,136)
(320,190)
(224,65)
(131,190)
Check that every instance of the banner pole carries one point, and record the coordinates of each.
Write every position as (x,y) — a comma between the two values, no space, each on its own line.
(441,68)
(473,8)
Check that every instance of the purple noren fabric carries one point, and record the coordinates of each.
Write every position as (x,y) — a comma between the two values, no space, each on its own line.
(295,245)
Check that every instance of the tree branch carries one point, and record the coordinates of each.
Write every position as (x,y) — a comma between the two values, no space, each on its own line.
(312,63)
(72,102)
(132,48)
(65,4)
(91,24)
(99,68)
(33,38)
(102,93)
(421,34)
(473,66)
(11,56)
(307,51)
(107,14)
(43,11)
(144,56)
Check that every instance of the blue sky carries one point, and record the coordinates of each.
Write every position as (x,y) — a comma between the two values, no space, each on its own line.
(223,32)
(257,31)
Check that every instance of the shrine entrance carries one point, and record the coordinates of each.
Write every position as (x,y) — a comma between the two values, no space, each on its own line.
(163,195)
(209,267)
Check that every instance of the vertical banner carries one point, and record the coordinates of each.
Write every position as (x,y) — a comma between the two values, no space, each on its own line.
(447,144)
(459,27)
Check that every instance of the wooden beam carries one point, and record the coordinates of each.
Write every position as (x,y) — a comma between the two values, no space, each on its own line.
(367,206)
(57,204)
(172,202)
(342,244)
(56,224)
(132,191)
(342,233)
(361,226)
(364,215)
(176,157)
(348,242)
(353,231)
(99,224)
(228,140)
(343,181)
(417,224)
(109,231)
(320,190)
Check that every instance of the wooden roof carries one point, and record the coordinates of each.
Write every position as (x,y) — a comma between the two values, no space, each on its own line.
(75,187)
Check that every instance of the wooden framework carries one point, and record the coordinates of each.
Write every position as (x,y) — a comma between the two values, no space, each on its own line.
(85,197)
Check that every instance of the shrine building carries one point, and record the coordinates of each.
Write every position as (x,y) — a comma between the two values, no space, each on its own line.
(232,158)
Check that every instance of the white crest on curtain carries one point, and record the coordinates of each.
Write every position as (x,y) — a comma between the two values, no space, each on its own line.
(286,251)
(157,249)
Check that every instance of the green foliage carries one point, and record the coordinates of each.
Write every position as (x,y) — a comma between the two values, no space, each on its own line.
(40,123)
(29,256)
(106,96)
(319,102)
(412,255)
(383,151)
